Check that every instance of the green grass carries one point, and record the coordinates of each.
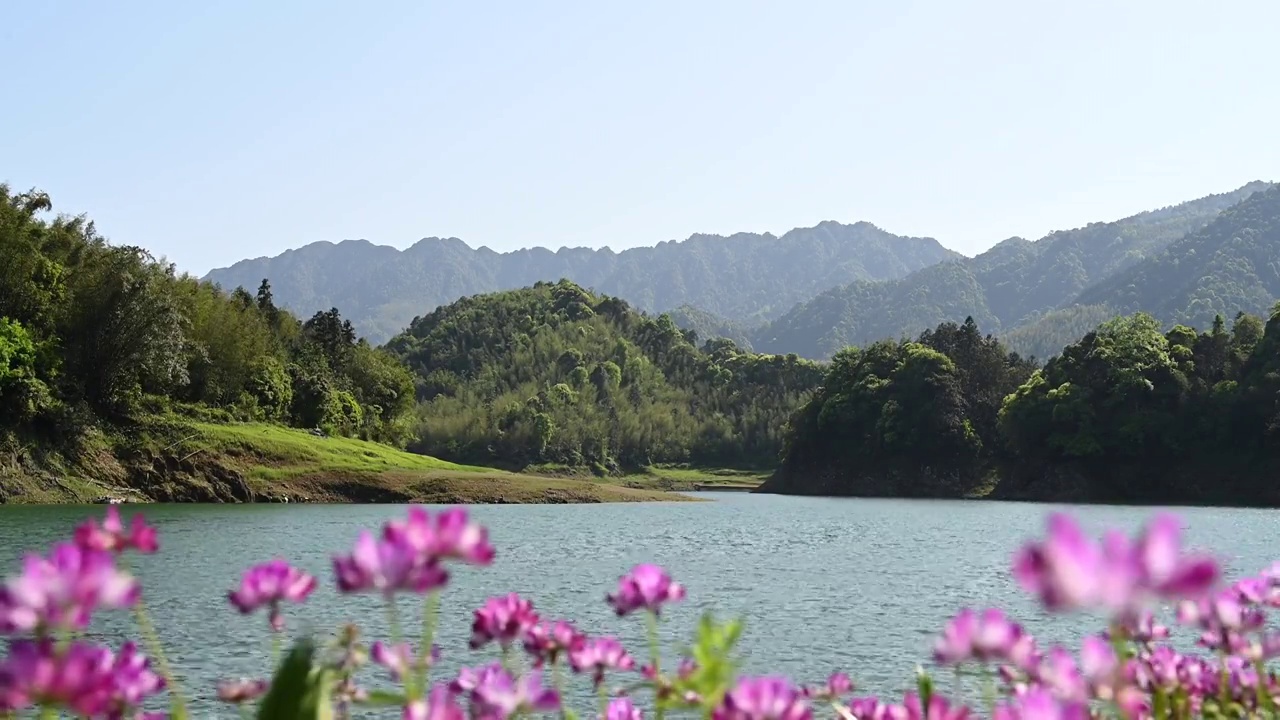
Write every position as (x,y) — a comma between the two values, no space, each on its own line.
(684,477)
(273,452)
(280,461)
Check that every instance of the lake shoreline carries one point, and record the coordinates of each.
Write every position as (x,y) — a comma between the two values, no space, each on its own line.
(178,460)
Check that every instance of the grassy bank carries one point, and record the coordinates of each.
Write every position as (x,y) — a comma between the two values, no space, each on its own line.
(669,478)
(171,459)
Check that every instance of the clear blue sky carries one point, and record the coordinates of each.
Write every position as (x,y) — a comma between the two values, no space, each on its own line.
(210,132)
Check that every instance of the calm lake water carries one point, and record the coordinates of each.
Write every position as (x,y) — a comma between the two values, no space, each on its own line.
(857,585)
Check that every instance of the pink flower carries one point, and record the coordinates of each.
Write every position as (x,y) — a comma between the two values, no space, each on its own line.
(132,678)
(63,590)
(938,709)
(546,641)
(1068,571)
(452,535)
(1143,628)
(1039,704)
(838,685)
(506,619)
(764,698)
(241,691)
(983,637)
(622,709)
(495,694)
(439,706)
(112,537)
(597,655)
(387,567)
(399,659)
(866,708)
(85,679)
(647,587)
(1058,672)
(267,585)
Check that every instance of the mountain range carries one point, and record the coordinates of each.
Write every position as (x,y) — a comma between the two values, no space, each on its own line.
(747,278)
(814,290)
(1031,291)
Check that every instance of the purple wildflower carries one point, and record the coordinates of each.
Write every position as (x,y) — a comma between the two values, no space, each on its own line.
(439,706)
(1069,571)
(597,655)
(764,698)
(399,659)
(622,709)
(87,679)
(547,641)
(387,567)
(837,686)
(647,587)
(111,536)
(242,690)
(451,535)
(132,678)
(1143,628)
(269,583)
(983,637)
(63,590)
(495,694)
(938,709)
(1040,704)
(866,708)
(506,618)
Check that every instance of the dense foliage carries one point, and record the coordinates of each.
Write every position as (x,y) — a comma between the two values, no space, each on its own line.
(557,374)
(1230,265)
(1129,413)
(904,418)
(709,326)
(747,278)
(92,331)
(1019,283)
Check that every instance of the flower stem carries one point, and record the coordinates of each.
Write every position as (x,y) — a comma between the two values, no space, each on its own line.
(177,706)
(397,634)
(277,647)
(557,682)
(655,656)
(603,692)
(430,614)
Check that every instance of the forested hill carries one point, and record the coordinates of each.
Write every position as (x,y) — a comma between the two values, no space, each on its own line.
(1020,284)
(556,374)
(1130,413)
(1229,266)
(747,277)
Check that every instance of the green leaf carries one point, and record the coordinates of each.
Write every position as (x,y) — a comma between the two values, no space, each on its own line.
(717,667)
(298,691)
(384,698)
(924,684)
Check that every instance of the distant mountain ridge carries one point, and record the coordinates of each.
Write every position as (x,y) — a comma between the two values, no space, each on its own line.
(747,278)
(1027,290)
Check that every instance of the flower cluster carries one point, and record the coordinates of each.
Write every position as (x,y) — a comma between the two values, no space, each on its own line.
(55,597)
(1129,670)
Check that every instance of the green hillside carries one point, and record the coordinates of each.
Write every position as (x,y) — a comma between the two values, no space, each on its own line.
(1231,265)
(557,374)
(1014,284)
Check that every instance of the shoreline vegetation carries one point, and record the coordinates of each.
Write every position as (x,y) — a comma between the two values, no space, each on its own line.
(177,460)
(121,378)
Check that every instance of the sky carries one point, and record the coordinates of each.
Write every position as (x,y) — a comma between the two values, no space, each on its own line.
(212,132)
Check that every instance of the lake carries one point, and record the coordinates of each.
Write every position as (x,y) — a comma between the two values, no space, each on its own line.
(850,584)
